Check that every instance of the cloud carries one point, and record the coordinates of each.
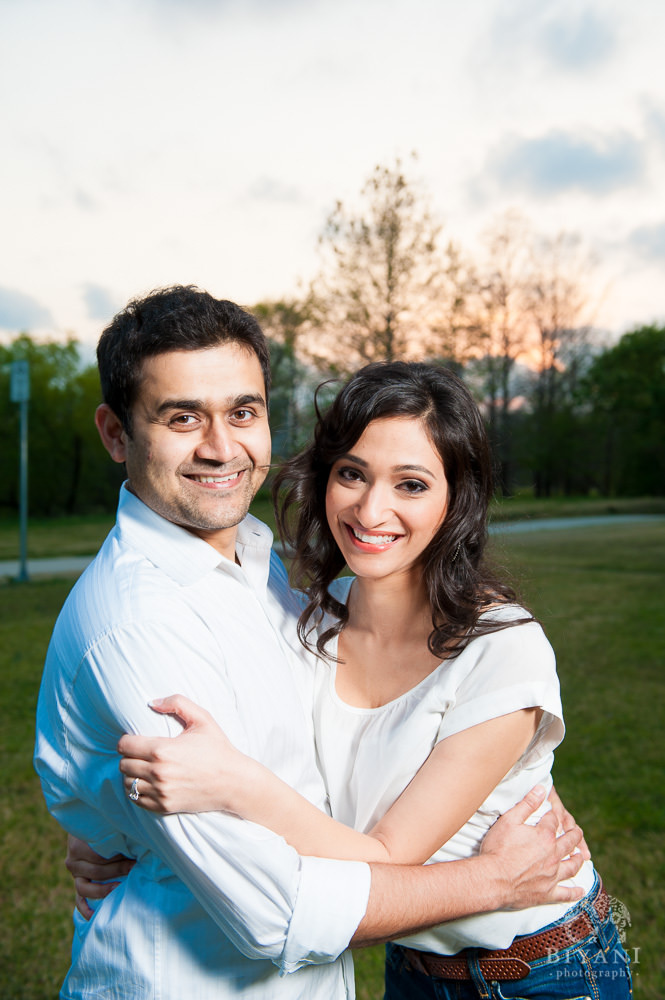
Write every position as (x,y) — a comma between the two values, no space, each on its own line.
(100,302)
(270,189)
(188,11)
(566,161)
(577,41)
(21,312)
(83,200)
(656,124)
(189,7)
(649,242)
(574,39)
(222,6)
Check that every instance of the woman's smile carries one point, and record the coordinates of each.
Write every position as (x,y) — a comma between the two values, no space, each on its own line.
(370,541)
(387,497)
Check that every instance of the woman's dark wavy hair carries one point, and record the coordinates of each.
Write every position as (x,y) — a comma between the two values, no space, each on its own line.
(460,584)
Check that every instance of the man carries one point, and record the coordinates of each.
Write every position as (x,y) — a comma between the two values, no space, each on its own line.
(186,595)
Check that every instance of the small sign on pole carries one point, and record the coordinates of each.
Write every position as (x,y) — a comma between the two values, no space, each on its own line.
(19,392)
(19,386)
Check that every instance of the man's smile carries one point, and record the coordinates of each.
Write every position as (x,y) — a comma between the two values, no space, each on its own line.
(215,480)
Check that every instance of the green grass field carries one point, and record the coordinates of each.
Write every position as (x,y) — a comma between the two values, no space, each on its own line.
(599,592)
(82,535)
(76,536)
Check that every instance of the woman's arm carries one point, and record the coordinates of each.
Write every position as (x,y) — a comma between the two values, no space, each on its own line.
(200,770)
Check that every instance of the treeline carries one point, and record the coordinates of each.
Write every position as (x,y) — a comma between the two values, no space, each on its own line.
(69,471)
(606,434)
(567,413)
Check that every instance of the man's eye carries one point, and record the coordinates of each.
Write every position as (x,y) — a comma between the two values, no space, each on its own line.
(183,420)
(243,416)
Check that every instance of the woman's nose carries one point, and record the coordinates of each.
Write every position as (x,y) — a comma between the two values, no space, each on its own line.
(372,507)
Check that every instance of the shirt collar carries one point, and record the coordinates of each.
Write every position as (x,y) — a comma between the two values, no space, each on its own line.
(185,557)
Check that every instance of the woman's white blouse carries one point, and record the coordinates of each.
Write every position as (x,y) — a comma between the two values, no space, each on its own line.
(369,755)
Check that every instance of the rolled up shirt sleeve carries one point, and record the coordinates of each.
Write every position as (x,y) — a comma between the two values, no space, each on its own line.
(270,902)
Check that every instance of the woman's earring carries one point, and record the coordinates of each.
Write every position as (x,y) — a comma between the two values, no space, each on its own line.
(456,552)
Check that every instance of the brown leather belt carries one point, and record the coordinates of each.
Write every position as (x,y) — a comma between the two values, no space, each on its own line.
(510,963)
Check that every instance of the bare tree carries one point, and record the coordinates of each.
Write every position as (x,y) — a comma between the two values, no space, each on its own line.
(453,327)
(287,323)
(502,330)
(376,295)
(558,305)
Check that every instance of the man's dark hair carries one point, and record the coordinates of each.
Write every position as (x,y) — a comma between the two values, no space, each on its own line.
(181,318)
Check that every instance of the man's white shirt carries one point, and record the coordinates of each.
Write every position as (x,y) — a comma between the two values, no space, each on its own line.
(215,906)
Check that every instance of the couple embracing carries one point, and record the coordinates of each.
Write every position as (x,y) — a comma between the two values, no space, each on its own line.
(323,742)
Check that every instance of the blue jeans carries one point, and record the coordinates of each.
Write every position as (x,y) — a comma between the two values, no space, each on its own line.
(596,968)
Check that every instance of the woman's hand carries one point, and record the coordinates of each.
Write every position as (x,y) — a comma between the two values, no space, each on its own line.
(91,873)
(197,771)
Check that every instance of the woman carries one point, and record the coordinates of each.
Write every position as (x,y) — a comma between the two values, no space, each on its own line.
(437,701)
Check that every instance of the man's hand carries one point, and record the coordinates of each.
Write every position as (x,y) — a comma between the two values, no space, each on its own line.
(531,860)
(566,821)
(91,873)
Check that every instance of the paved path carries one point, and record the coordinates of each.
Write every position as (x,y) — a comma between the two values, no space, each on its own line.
(63,565)
(74,565)
(552,523)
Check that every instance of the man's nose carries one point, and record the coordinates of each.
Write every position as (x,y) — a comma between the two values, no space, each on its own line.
(219,443)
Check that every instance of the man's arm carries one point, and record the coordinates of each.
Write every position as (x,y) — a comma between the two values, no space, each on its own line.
(518,866)
(259,892)
(268,901)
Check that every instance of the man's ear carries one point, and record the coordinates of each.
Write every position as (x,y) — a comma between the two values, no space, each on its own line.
(112,433)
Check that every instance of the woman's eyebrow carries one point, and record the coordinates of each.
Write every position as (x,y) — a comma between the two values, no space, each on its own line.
(396,468)
(413,468)
(353,458)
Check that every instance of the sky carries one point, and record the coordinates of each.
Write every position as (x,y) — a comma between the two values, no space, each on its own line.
(151,142)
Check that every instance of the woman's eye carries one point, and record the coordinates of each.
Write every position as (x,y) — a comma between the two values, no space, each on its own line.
(349,475)
(413,486)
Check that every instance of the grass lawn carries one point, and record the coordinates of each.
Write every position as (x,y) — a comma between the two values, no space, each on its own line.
(82,535)
(77,536)
(523,506)
(599,593)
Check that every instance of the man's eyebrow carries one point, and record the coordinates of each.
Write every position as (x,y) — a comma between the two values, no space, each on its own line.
(234,403)
(250,399)
(180,404)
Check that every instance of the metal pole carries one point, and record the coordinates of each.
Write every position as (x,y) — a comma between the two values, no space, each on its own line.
(19,392)
(23,492)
